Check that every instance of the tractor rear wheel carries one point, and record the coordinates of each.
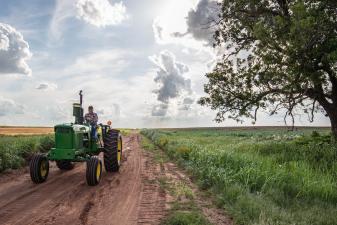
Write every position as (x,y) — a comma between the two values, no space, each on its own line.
(39,168)
(112,151)
(94,171)
(64,165)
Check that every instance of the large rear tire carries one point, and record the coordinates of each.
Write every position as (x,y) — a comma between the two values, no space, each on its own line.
(39,168)
(112,151)
(94,171)
(64,165)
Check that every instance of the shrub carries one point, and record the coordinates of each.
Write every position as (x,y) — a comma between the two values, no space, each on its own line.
(183,152)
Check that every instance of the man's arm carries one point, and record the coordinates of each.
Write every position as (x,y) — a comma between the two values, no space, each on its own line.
(86,117)
(95,120)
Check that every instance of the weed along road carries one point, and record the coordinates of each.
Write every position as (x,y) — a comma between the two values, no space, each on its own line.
(65,198)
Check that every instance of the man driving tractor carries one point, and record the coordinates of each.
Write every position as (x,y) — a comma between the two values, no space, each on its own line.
(92,119)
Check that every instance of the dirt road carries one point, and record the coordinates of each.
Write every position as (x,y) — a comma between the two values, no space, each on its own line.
(121,198)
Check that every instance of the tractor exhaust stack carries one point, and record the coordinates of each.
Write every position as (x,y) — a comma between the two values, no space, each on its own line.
(78,110)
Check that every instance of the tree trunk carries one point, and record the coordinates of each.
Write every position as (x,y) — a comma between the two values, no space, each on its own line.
(333,120)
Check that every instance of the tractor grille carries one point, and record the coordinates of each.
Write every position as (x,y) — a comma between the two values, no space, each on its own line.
(64,138)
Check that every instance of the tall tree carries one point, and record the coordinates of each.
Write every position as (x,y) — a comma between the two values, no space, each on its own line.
(278,54)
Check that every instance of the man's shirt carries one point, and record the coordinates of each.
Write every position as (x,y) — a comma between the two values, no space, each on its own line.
(91,118)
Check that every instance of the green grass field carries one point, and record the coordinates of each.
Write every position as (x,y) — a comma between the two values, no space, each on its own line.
(15,151)
(260,177)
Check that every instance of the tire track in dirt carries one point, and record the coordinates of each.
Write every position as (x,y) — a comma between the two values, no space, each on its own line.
(153,198)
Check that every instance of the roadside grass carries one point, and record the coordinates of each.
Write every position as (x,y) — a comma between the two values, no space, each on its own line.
(159,156)
(260,177)
(15,151)
(125,132)
(185,218)
(184,210)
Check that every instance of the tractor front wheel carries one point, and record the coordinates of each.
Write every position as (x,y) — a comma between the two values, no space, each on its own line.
(39,168)
(64,165)
(94,171)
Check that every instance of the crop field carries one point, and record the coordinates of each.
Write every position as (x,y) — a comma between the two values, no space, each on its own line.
(17,144)
(15,151)
(260,176)
(12,131)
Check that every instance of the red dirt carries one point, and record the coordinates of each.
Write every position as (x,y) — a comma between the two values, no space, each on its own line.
(125,197)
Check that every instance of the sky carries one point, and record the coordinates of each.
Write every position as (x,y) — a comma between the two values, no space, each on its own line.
(139,63)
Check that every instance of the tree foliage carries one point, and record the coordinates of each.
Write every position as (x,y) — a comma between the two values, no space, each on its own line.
(278,54)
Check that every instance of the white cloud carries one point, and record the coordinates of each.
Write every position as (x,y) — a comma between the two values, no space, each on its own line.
(64,9)
(159,110)
(188,101)
(14,51)
(165,25)
(110,61)
(58,113)
(113,110)
(101,13)
(9,107)
(192,26)
(172,85)
(201,21)
(166,33)
(170,77)
(186,104)
(46,86)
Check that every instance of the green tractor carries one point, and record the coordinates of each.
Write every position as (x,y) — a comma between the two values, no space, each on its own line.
(74,142)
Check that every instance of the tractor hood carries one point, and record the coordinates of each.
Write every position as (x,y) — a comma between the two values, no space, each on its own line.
(76,128)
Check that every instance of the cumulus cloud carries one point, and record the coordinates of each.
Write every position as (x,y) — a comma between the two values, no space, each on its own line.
(167,34)
(186,104)
(200,21)
(188,101)
(44,86)
(112,111)
(172,85)
(14,51)
(170,77)
(10,107)
(160,110)
(158,31)
(101,13)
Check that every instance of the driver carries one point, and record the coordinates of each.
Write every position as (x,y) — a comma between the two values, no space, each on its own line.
(92,119)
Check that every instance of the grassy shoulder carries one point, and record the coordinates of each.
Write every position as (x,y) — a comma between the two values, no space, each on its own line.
(260,177)
(183,210)
(15,151)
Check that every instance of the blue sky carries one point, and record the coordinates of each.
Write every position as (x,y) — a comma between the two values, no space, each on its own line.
(139,63)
